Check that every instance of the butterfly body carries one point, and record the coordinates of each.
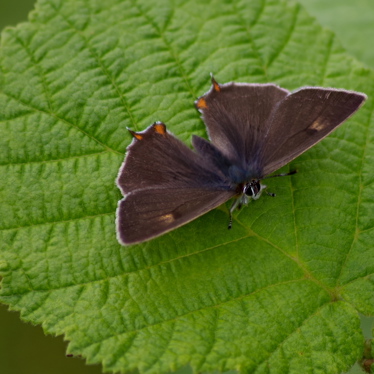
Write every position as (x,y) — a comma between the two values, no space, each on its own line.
(254,129)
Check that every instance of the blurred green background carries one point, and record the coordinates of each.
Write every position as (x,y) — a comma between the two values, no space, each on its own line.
(351,20)
(24,349)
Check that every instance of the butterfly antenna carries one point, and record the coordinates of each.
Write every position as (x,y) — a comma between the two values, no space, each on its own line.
(281,175)
(270,194)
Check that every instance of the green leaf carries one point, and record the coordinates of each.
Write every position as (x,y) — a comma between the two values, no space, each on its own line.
(278,293)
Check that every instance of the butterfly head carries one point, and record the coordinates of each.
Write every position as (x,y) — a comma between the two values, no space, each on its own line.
(246,192)
(253,189)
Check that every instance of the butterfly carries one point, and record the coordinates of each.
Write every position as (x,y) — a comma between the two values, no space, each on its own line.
(254,130)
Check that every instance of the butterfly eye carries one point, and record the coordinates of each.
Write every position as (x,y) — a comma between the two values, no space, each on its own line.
(253,188)
(249,191)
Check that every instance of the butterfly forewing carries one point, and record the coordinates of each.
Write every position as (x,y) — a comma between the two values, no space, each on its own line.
(156,158)
(301,120)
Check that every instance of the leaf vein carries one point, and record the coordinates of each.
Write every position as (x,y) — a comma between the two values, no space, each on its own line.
(173,54)
(64,121)
(288,37)
(249,35)
(241,297)
(101,65)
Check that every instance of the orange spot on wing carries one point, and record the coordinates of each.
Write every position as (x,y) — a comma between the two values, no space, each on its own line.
(136,135)
(160,128)
(216,86)
(201,103)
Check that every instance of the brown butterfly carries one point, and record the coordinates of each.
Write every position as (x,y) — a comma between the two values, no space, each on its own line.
(254,129)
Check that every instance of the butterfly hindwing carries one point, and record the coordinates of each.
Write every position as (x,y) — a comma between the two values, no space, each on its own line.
(148,213)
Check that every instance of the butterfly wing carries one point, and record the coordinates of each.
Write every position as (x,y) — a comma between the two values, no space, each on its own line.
(302,119)
(165,185)
(236,114)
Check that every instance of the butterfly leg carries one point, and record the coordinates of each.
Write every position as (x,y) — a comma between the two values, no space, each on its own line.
(237,203)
